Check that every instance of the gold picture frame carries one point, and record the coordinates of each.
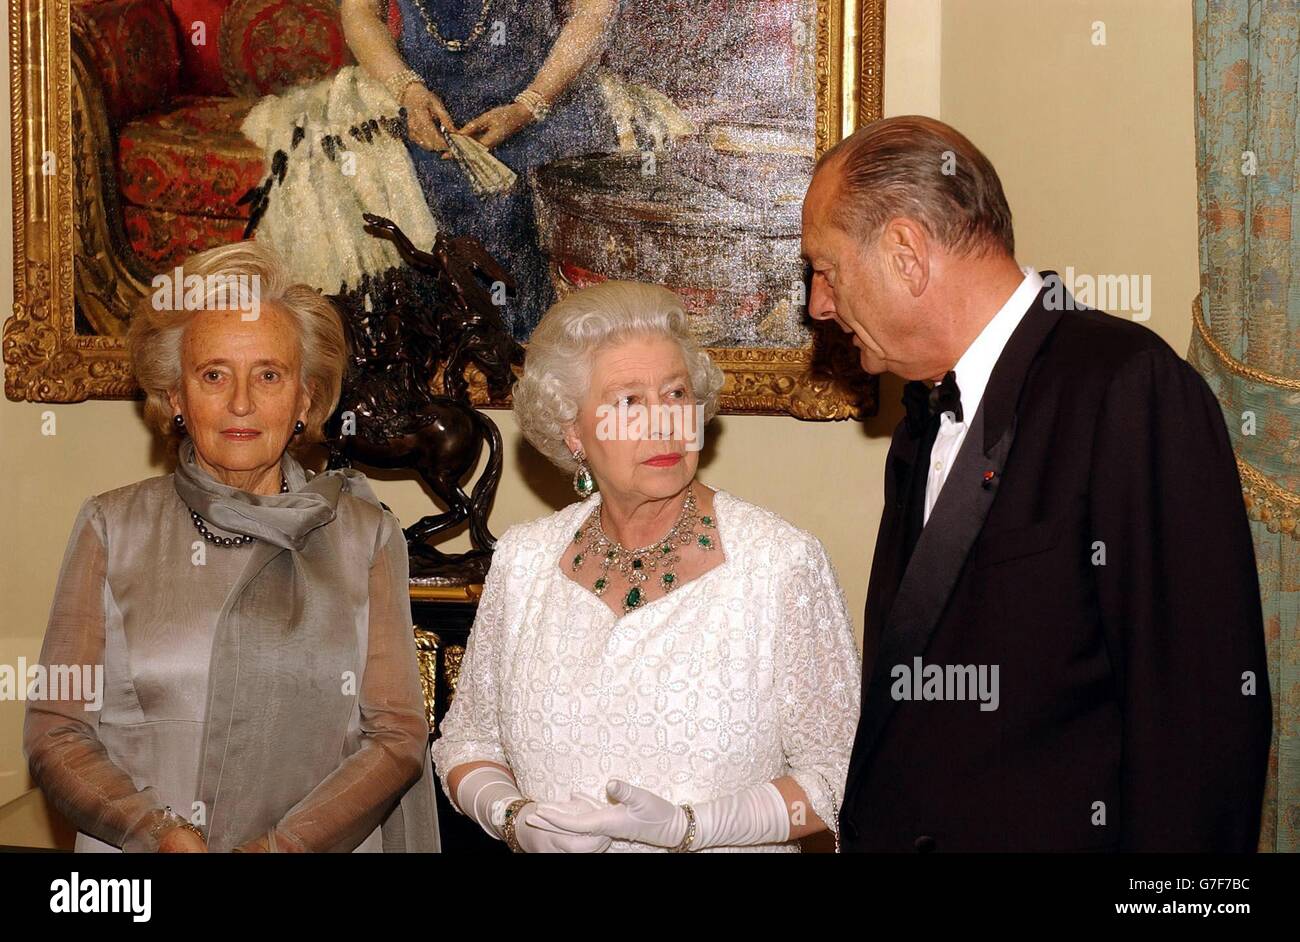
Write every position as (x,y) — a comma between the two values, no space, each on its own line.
(61,247)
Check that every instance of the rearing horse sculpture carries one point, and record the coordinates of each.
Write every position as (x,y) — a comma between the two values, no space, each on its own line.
(388,417)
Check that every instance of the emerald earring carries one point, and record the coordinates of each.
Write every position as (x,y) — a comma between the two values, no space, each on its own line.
(583,483)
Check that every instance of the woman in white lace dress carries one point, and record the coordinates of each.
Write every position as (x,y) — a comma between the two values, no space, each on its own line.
(661,665)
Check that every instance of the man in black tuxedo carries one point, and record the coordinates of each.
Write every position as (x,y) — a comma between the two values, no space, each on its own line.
(1064,649)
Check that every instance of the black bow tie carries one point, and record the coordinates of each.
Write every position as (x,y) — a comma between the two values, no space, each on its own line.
(925,404)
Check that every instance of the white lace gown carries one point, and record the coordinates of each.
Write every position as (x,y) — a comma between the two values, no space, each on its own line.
(743,675)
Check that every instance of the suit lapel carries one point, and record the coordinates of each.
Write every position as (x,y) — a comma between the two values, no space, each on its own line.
(887,560)
(932,572)
(954,525)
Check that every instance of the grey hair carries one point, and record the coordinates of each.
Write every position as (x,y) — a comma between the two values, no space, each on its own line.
(561,352)
(156,331)
(896,167)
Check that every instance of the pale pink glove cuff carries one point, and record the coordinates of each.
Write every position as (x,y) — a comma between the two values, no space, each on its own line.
(483,795)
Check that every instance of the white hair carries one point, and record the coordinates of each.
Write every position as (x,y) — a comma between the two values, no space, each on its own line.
(562,350)
(154,338)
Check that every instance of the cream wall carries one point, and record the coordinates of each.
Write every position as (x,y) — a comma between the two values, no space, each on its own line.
(1020,77)
(1094,144)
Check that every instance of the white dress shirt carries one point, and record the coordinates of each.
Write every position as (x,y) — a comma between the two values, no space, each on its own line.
(973,371)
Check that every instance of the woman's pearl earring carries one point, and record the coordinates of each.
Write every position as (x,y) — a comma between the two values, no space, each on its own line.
(583,482)
(178,420)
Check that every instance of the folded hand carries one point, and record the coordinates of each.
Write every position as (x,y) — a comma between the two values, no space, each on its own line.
(537,835)
(635,815)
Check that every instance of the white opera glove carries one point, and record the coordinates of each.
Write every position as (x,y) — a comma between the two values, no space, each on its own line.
(485,793)
(536,835)
(753,815)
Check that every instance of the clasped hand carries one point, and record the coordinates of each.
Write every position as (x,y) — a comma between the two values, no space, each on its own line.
(635,815)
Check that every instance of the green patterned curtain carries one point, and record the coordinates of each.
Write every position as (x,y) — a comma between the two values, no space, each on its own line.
(1246,340)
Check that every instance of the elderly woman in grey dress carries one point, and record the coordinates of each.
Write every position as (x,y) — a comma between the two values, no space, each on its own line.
(260,687)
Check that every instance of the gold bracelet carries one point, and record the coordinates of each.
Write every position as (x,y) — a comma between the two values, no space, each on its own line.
(396,83)
(508,828)
(186,826)
(689,838)
(169,821)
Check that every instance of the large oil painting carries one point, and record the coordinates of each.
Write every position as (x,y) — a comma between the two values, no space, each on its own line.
(673,144)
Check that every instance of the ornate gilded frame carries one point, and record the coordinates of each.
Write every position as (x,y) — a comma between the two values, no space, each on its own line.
(45,360)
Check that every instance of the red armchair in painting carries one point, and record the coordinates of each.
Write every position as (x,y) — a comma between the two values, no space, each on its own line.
(160,90)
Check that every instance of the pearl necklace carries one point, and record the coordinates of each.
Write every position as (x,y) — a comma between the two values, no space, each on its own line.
(239,539)
(636,564)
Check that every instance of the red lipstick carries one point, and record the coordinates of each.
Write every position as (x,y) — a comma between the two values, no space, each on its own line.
(663,461)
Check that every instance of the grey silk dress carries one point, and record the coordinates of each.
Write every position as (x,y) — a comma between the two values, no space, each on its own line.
(265,688)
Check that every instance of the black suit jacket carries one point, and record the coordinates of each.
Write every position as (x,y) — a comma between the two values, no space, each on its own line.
(1107,569)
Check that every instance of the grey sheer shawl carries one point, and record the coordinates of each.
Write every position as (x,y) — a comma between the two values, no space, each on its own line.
(312,727)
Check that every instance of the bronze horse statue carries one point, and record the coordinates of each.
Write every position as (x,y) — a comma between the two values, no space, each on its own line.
(388,415)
